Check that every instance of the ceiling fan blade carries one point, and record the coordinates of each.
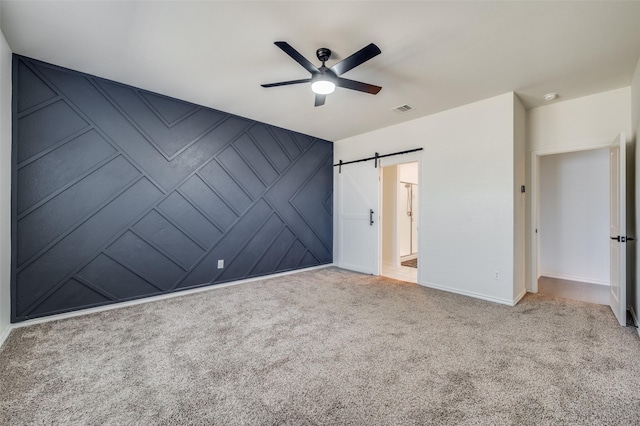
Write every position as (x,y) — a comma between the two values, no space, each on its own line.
(357,85)
(286,83)
(320,100)
(286,47)
(360,57)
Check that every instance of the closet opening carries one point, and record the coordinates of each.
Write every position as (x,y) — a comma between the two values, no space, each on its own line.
(573,226)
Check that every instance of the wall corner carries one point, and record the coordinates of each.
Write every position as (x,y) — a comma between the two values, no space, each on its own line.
(5,186)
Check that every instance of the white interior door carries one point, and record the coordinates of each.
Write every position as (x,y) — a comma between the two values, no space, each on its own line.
(618,229)
(358,227)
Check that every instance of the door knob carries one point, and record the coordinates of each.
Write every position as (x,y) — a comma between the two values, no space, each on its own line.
(623,239)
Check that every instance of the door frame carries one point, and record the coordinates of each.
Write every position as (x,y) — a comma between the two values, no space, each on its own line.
(414,157)
(531,283)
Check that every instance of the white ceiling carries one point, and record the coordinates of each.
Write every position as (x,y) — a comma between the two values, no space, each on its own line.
(435,55)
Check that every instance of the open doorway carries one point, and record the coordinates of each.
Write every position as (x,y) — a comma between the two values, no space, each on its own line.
(399,225)
(621,259)
(573,225)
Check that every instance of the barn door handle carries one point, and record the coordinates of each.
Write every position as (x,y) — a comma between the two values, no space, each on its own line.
(370,217)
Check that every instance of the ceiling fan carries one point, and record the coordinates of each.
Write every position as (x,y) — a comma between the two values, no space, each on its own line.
(324,80)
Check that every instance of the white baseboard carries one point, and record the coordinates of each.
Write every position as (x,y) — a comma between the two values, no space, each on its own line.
(573,278)
(354,268)
(470,294)
(519,297)
(5,334)
(150,299)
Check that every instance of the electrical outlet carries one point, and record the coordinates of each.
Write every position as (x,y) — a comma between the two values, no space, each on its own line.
(220,263)
(496,275)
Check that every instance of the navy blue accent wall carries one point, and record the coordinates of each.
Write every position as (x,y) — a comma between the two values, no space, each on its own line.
(120,193)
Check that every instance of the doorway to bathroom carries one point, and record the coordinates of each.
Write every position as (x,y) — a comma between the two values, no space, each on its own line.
(399,233)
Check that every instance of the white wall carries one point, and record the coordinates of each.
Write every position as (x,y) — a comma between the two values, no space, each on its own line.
(577,124)
(408,172)
(584,122)
(635,101)
(634,298)
(466,193)
(5,187)
(574,216)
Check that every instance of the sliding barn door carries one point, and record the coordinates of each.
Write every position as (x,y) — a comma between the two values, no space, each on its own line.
(358,227)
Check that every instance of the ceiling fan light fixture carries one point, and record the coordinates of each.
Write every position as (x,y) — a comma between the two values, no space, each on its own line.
(323,87)
(324,80)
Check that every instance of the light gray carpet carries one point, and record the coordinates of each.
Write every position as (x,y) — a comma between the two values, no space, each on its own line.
(326,347)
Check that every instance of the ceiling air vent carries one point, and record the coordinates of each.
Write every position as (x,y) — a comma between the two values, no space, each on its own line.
(403,108)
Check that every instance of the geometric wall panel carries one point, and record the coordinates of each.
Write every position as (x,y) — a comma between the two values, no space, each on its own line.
(119,194)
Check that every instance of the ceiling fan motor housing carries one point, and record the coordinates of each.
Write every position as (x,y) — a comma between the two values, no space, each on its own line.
(323,54)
